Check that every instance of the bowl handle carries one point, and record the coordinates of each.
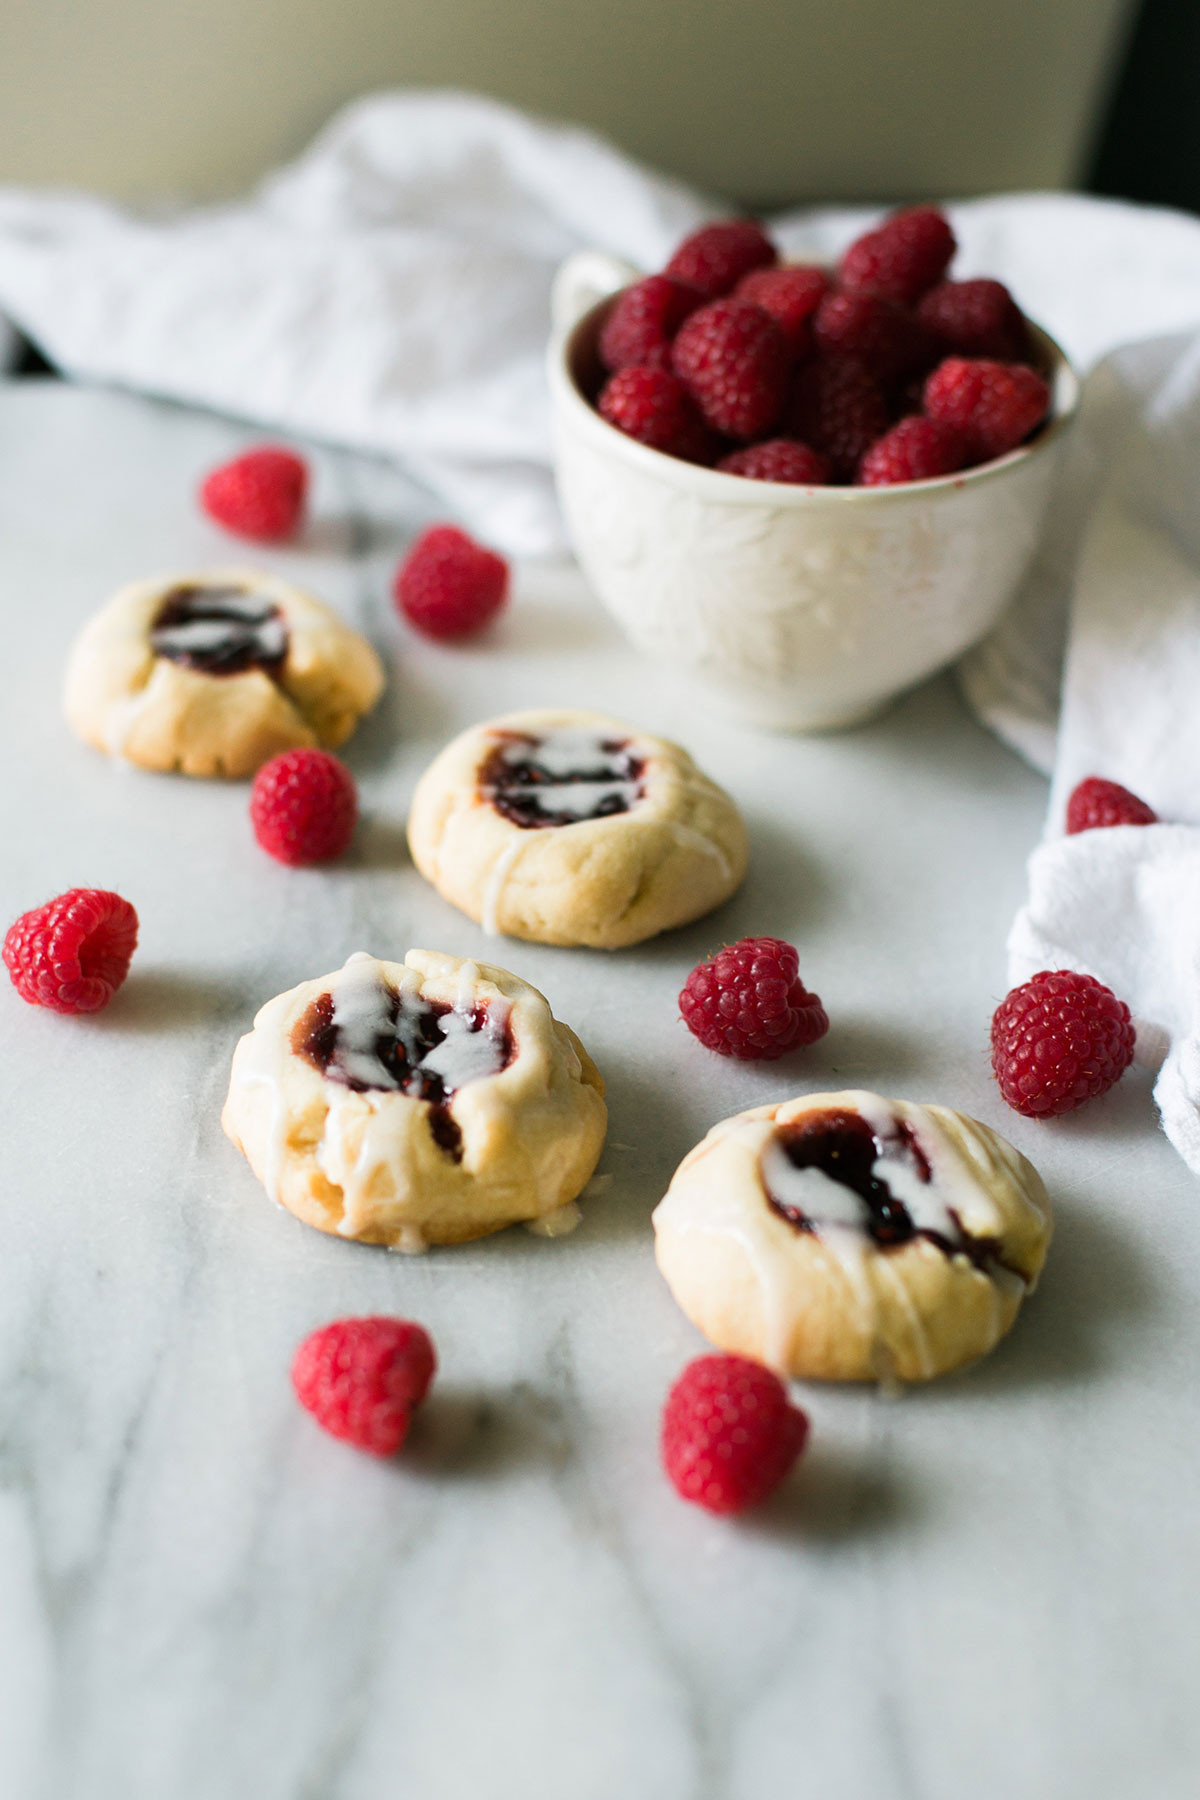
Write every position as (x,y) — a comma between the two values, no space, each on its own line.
(585,278)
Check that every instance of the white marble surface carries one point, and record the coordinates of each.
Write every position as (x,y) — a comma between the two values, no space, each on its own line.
(988,1588)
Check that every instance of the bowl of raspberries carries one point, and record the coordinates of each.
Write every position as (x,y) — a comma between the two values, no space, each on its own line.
(805,487)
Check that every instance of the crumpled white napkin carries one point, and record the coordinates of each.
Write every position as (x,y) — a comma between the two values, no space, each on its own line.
(390,289)
(1124,904)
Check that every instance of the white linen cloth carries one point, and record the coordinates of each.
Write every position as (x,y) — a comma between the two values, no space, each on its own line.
(390,291)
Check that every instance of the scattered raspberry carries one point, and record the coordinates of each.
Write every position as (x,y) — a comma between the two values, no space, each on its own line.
(916,449)
(977,318)
(362,1379)
(995,405)
(778,459)
(729,1433)
(893,343)
(1059,1040)
(259,495)
(734,359)
(448,586)
(654,406)
(791,295)
(839,408)
(643,321)
(715,258)
(904,256)
(1096,804)
(73,953)
(304,807)
(747,1001)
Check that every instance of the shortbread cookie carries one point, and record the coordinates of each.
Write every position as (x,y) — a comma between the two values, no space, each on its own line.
(414,1103)
(843,1237)
(214,673)
(570,828)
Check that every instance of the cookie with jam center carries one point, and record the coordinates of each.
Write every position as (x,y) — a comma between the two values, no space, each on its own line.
(214,673)
(846,1237)
(425,1102)
(567,827)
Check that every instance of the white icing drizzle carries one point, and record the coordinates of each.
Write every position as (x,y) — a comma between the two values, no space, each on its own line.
(558,1223)
(691,839)
(363,1014)
(566,754)
(501,869)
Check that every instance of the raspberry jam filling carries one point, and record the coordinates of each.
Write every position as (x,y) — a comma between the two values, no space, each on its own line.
(833,1171)
(560,777)
(367,1037)
(219,631)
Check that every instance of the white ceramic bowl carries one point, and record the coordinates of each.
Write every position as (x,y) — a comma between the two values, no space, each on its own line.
(792,607)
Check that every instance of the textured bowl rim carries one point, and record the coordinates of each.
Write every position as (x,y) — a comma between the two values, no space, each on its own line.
(737,490)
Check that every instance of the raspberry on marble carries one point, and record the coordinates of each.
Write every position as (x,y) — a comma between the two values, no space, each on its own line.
(729,1433)
(304,807)
(362,1379)
(747,1001)
(259,495)
(72,954)
(448,586)
(1059,1040)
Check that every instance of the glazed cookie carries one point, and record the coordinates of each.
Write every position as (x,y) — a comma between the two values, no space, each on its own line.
(570,828)
(212,674)
(843,1237)
(414,1103)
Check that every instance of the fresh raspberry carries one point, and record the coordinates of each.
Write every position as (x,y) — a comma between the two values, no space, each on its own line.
(839,408)
(73,953)
(893,343)
(747,1001)
(976,318)
(448,586)
(729,1433)
(1096,804)
(791,295)
(904,256)
(1058,1040)
(362,1379)
(259,495)
(778,459)
(643,321)
(715,258)
(304,807)
(734,359)
(995,405)
(653,406)
(915,449)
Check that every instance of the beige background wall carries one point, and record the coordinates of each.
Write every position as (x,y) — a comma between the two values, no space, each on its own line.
(765,100)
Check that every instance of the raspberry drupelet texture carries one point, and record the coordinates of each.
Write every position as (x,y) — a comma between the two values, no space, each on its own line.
(1096,804)
(976,318)
(644,319)
(995,405)
(839,408)
(448,586)
(734,360)
(304,807)
(362,1379)
(892,342)
(748,1001)
(73,953)
(902,258)
(915,449)
(729,1433)
(778,459)
(791,295)
(1058,1040)
(715,258)
(259,495)
(654,406)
